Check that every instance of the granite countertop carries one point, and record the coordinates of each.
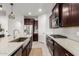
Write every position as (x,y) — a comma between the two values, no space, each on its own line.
(70,45)
(7,48)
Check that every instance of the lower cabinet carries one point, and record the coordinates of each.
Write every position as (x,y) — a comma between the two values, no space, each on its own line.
(55,49)
(50,44)
(18,52)
(24,52)
(60,51)
(27,49)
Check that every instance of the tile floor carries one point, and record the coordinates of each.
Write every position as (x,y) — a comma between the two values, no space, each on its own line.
(45,51)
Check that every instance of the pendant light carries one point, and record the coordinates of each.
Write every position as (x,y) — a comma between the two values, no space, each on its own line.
(11,15)
(0,7)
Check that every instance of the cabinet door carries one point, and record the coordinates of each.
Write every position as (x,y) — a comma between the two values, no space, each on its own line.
(49,42)
(56,10)
(24,52)
(27,50)
(18,52)
(35,37)
(58,50)
(50,21)
(70,14)
(29,47)
(66,15)
(28,21)
(75,14)
(54,18)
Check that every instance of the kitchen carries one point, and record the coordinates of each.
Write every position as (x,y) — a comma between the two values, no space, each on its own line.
(39,29)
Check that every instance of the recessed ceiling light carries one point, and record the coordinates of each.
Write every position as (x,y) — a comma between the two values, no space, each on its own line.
(40,10)
(29,13)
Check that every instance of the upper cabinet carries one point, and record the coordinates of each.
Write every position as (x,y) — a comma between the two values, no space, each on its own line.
(28,21)
(64,15)
(54,18)
(75,15)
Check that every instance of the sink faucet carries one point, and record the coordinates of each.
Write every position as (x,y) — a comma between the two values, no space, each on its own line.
(14,31)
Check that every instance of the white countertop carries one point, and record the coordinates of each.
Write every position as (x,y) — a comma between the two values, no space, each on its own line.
(7,48)
(70,45)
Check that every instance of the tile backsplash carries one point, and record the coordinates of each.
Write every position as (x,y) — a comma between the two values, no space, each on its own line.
(70,32)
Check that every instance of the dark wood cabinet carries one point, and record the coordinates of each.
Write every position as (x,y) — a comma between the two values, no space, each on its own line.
(35,37)
(70,12)
(18,52)
(35,32)
(60,51)
(28,21)
(24,52)
(55,49)
(50,45)
(35,24)
(75,14)
(67,14)
(28,48)
(2,35)
(56,10)
(54,18)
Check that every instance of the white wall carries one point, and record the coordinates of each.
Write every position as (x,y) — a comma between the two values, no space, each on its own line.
(43,27)
(4,23)
(4,19)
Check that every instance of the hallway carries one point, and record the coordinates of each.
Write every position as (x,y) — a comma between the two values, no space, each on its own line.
(39,49)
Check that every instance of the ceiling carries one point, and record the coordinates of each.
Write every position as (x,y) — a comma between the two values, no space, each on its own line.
(24,8)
